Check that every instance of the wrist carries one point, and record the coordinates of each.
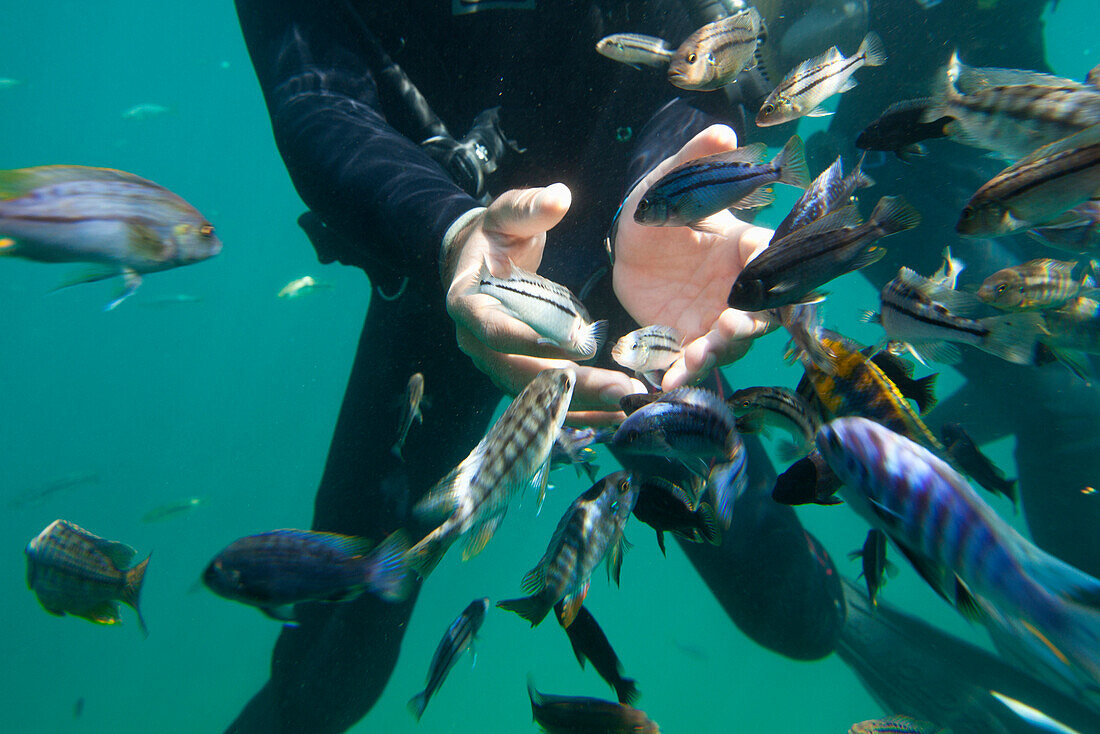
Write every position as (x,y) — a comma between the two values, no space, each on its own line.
(456,233)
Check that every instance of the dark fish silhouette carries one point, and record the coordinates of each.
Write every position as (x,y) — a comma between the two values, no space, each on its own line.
(590,643)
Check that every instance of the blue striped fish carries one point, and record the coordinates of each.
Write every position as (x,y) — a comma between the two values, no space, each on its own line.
(829,191)
(458,637)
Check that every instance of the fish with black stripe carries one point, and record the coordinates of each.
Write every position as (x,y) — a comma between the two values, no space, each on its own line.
(633,49)
(830,190)
(456,640)
(713,56)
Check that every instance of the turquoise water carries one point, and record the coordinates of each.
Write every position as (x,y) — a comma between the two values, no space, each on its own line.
(232,398)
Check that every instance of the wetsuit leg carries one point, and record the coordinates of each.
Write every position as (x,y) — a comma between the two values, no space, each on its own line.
(328,672)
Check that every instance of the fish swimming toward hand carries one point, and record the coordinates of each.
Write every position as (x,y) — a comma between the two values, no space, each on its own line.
(410,411)
(713,56)
(72,571)
(690,424)
(574,446)
(901,128)
(826,193)
(649,351)
(278,569)
(582,715)
(590,643)
(456,640)
(120,222)
(760,408)
(635,48)
(665,506)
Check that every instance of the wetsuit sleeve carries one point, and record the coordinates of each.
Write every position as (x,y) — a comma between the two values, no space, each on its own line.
(373,186)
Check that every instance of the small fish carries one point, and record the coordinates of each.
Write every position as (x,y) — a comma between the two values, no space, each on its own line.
(788,271)
(665,506)
(304,286)
(8,83)
(713,56)
(172,509)
(589,531)
(178,299)
(1071,331)
(126,225)
(875,565)
(687,423)
(634,48)
(582,715)
(78,708)
(574,446)
(830,190)
(900,372)
(1081,235)
(590,643)
(1038,284)
(758,408)
(458,637)
(649,351)
(697,189)
(970,459)
(278,569)
(145,111)
(72,571)
(1037,190)
(896,724)
(40,493)
(474,496)
(901,128)
(547,307)
(813,81)
(807,481)
(410,411)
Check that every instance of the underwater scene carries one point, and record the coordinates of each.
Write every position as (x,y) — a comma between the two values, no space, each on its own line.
(388,368)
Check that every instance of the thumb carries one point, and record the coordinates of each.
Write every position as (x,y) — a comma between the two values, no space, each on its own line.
(527,212)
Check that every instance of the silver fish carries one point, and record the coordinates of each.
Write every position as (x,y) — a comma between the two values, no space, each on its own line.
(1037,284)
(649,350)
(41,492)
(172,509)
(813,81)
(474,496)
(145,111)
(75,572)
(714,55)
(410,411)
(1082,235)
(304,286)
(635,48)
(456,640)
(127,225)
(547,307)
(827,192)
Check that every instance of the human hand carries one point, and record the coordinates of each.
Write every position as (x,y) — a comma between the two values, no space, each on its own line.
(681,277)
(513,230)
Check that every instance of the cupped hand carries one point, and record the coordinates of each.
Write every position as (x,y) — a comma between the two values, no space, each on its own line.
(681,277)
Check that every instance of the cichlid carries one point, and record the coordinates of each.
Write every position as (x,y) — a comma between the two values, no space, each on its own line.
(547,307)
(807,481)
(965,453)
(1072,331)
(829,191)
(590,643)
(688,423)
(1080,233)
(474,496)
(901,128)
(278,569)
(41,492)
(456,640)
(1038,284)
(788,271)
(126,225)
(589,531)
(896,724)
(665,506)
(697,189)
(758,408)
(172,509)
(410,411)
(72,571)
(574,446)
(580,715)
(813,81)
(875,565)
(649,351)
(304,286)
(634,48)
(714,55)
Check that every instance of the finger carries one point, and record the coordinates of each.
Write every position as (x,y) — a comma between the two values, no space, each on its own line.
(714,139)
(727,341)
(480,320)
(596,418)
(527,212)
(754,240)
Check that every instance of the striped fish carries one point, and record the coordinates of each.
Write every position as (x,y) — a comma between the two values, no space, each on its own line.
(589,531)
(688,423)
(410,411)
(965,551)
(758,408)
(634,48)
(458,637)
(474,496)
(1037,189)
(714,55)
(649,351)
(829,191)
(72,571)
(581,715)
(813,81)
(695,190)
(898,723)
(552,310)
(1037,284)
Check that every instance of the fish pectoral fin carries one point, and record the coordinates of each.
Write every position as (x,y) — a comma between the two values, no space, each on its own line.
(148,242)
(615,560)
(966,603)
(819,112)
(283,613)
(131,282)
(479,538)
(707,225)
(571,606)
(540,481)
(104,613)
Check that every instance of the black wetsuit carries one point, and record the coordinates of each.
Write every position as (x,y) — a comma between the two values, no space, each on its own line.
(585,121)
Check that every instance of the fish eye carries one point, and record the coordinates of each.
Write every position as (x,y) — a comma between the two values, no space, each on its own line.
(968,212)
(206,230)
(643,205)
(691,58)
(768,109)
(1002,288)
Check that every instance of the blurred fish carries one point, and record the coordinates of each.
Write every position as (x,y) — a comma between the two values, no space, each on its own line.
(634,48)
(515,452)
(875,565)
(177,299)
(580,715)
(901,128)
(790,270)
(78,708)
(550,309)
(965,453)
(807,481)
(40,493)
(896,724)
(1082,235)
(145,111)
(278,569)
(1037,190)
(697,189)
(590,643)
(589,531)
(690,424)
(574,446)
(830,190)
(758,408)
(665,506)
(965,551)
(1033,715)
(126,224)
(304,286)
(813,81)
(72,571)
(649,351)
(458,637)
(714,55)
(172,509)
(1038,284)
(410,411)
(8,83)
(1072,331)
(726,482)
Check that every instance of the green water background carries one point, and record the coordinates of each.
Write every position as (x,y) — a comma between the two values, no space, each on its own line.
(232,398)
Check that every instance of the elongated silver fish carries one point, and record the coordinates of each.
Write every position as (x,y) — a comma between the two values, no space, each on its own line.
(898,723)
(714,55)
(1037,189)
(635,48)
(649,351)
(707,185)
(813,81)
(410,411)
(547,307)
(590,530)
(474,496)
(41,492)
(126,224)
(758,408)
(829,191)
(72,571)
(1037,284)
(456,640)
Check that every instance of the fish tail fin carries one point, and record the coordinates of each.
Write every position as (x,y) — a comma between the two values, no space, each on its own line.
(426,555)
(872,50)
(131,592)
(591,337)
(388,569)
(626,690)
(945,90)
(893,214)
(1072,629)
(418,703)
(708,524)
(531,608)
(1013,337)
(859,179)
(396,451)
(791,162)
(924,392)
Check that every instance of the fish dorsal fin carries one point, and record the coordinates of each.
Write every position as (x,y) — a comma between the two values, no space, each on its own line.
(752,153)
(1086,137)
(349,545)
(959,303)
(17,182)
(119,554)
(845,216)
(478,538)
(974,79)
